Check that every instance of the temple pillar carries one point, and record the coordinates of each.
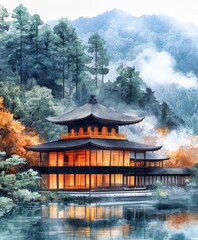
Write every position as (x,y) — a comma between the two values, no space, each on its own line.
(74,180)
(57,180)
(122,180)
(144,159)
(40,159)
(56,158)
(89,181)
(74,163)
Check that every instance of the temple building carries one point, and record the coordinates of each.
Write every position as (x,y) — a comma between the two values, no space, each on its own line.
(93,154)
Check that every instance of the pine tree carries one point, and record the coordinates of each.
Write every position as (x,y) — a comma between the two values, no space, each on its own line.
(47,65)
(103,63)
(130,84)
(4,26)
(79,65)
(21,25)
(35,23)
(66,37)
(99,55)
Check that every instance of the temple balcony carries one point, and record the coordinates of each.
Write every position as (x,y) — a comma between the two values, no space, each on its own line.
(109,135)
(67,166)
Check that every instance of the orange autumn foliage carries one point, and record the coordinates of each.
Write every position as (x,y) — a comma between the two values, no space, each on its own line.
(14,136)
(178,219)
(163,131)
(185,156)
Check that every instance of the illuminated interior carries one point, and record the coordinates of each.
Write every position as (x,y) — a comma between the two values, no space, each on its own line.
(92,157)
(102,181)
(87,157)
(82,181)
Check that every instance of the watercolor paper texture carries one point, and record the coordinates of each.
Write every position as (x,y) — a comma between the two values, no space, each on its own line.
(98,119)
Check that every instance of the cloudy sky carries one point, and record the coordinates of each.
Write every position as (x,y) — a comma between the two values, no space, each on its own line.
(184,10)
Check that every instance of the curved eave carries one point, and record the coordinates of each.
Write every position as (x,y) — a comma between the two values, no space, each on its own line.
(170,171)
(92,143)
(118,122)
(149,157)
(56,146)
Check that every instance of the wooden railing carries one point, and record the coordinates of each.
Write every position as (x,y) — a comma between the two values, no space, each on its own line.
(93,135)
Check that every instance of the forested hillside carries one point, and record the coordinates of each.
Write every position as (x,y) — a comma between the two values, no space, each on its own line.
(163,50)
(46,70)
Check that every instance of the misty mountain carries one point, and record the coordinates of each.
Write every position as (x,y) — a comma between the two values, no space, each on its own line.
(126,36)
(161,44)
(173,54)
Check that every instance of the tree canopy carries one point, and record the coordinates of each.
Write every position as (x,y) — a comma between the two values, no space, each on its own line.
(17,187)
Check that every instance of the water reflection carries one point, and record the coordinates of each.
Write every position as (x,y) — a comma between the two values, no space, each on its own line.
(121,221)
(99,221)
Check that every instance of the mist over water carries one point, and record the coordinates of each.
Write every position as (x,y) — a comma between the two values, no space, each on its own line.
(112,220)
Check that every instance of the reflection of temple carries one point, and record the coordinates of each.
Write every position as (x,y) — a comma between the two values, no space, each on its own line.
(95,221)
(93,154)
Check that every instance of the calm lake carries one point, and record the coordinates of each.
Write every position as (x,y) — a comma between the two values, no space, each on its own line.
(126,220)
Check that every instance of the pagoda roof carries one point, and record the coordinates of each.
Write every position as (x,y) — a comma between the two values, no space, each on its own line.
(96,111)
(106,144)
(150,156)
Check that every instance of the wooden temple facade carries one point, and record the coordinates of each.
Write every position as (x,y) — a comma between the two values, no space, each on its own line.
(93,154)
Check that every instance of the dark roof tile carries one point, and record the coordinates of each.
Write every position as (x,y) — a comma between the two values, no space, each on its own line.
(91,142)
(96,111)
(149,156)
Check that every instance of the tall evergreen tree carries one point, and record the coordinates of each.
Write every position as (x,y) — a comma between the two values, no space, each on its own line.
(4,26)
(100,57)
(31,40)
(66,37)
(79,65)
(35,23)
(21,25)
(47,64)
(103,63)
(130,84)
(150,103)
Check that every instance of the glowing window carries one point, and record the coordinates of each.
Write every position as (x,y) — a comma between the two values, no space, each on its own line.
(104,131)
(72,132)
(113,132)
(95,130)
(89,130)
(80,131)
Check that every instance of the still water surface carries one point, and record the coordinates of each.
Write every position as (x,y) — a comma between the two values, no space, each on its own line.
(132,220)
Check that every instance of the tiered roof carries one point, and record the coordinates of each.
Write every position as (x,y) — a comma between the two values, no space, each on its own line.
(90,143)
(96,111)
